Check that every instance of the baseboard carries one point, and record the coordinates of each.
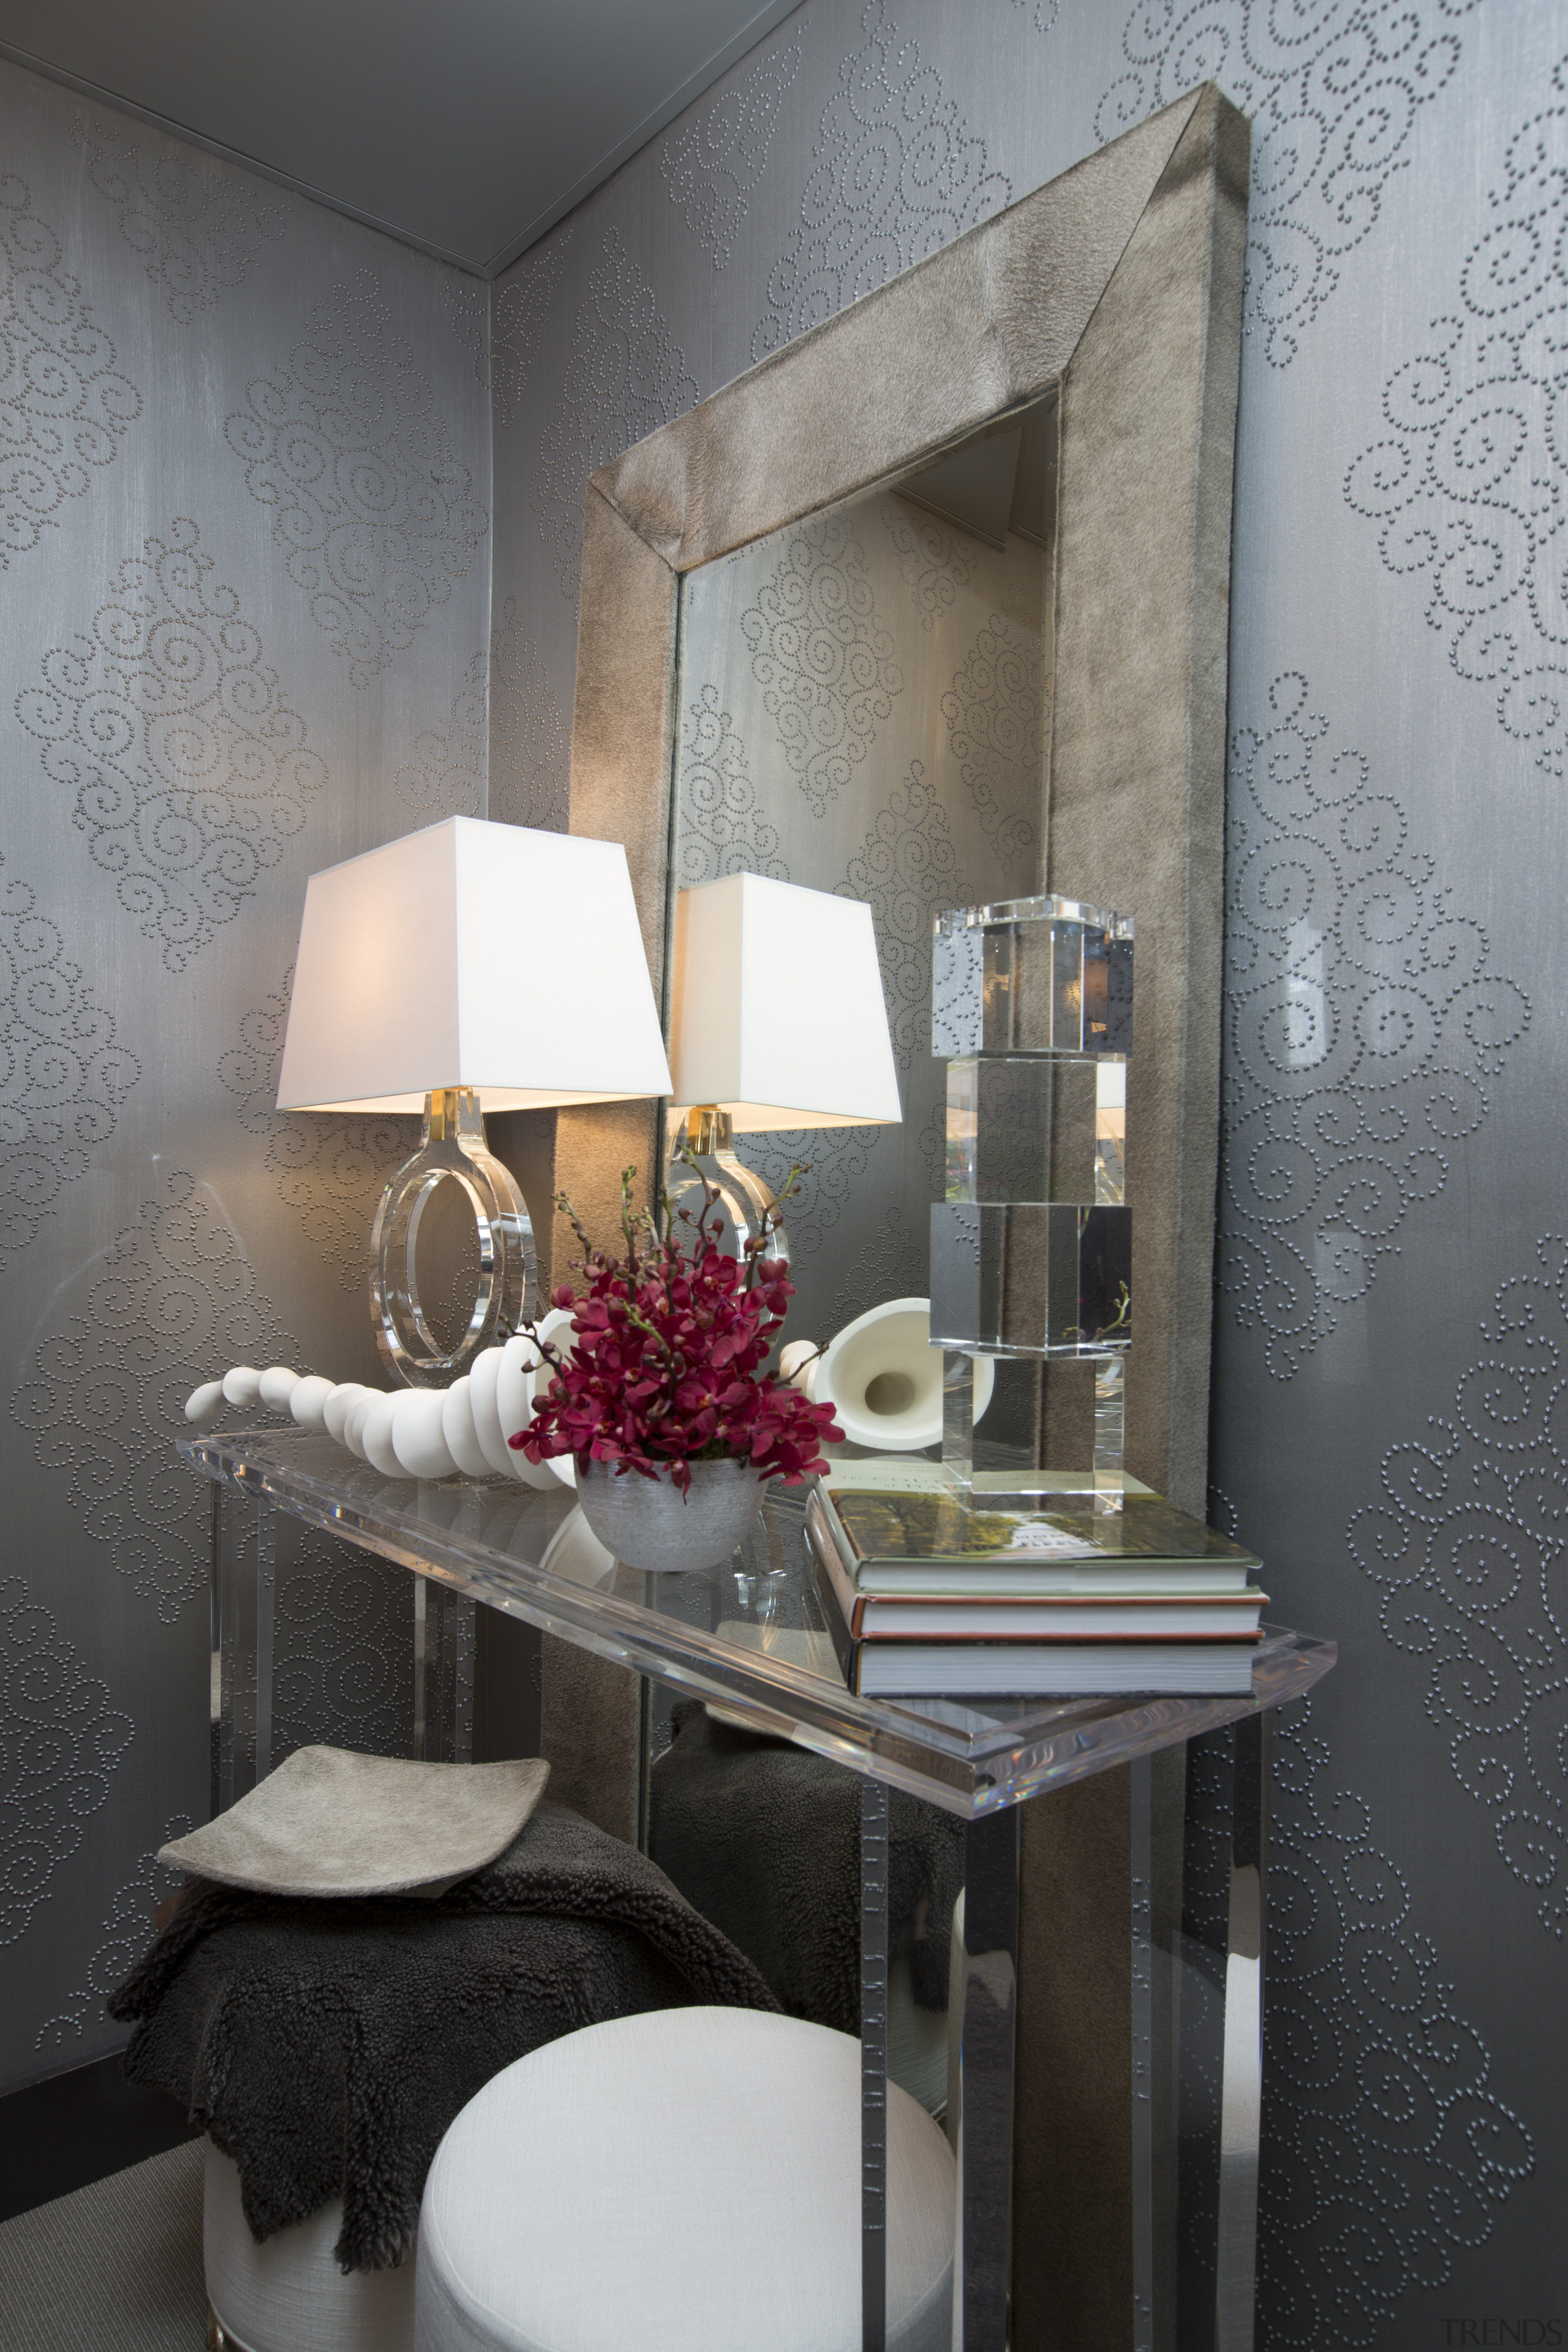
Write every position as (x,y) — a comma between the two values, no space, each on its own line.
(79,2127)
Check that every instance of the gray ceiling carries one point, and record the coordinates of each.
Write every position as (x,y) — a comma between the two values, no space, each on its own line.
(467,127)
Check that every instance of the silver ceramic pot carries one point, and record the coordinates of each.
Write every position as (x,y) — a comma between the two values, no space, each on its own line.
(648,1524)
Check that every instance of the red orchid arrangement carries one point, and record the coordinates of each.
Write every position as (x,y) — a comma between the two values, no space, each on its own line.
(664,1367)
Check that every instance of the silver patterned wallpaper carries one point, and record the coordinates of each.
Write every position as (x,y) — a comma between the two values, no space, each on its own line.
(254,563)
(1391,1346)
(245,538)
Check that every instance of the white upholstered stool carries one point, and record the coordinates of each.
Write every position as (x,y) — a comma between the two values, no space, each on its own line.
(287,2295)
(686,2181)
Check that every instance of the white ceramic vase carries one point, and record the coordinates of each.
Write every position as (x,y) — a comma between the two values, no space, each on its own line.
(884,1379)
(648,1524)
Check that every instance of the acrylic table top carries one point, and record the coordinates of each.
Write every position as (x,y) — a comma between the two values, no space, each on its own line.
(748,1634)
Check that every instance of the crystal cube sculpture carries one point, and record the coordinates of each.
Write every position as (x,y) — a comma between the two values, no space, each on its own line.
(1030,1278)
(1031,1246)
(1035,1130)
(1032,976)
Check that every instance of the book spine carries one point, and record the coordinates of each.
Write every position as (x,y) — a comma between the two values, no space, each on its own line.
(880,1581)
(1007,1621)
(826,1566)
(1015,1641)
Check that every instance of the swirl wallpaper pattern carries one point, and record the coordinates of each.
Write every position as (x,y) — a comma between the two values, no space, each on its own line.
(245,516)
(230,661)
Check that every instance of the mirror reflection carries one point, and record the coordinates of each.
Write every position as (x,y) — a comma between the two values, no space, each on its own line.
(865,704)
(865,701)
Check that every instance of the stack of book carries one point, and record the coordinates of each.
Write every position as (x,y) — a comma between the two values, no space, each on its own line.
(926,1595)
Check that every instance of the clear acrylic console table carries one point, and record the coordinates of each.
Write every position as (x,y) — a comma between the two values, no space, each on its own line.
(748,1635)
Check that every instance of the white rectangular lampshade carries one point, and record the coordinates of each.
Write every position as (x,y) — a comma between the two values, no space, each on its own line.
(478,955)
(779,1016)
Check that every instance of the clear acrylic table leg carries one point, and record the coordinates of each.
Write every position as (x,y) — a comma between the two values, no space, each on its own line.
(444,1636)
(1140,1776)
(874,1821)
(215,1659)
(1241,2090)
(987,2032)
(245,1540)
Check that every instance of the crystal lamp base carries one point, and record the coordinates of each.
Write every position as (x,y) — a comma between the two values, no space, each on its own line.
(706,1137)
(453,1151)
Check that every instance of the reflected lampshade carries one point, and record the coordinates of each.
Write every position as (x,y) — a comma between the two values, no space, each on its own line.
(778,1014)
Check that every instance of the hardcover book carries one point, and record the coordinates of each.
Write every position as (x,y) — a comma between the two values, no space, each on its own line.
(971,1668)
(930,1541)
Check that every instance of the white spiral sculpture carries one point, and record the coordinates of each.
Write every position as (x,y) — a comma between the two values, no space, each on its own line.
(414,1433)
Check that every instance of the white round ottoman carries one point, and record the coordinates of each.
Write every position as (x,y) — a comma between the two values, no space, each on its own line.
(685,2181)
(287,2295)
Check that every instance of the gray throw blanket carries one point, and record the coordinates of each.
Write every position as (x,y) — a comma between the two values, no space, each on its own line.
(327,2044)
(764,1840)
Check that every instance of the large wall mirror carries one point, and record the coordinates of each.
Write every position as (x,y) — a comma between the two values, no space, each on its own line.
(930,608)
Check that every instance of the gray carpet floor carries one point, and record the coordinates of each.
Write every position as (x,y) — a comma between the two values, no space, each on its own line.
(116,2267)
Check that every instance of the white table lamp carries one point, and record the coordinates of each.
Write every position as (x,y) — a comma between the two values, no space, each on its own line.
(467,967)
(778,1020)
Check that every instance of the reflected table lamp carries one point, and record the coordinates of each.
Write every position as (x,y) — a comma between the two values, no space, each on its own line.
(777,1021)
(467,967)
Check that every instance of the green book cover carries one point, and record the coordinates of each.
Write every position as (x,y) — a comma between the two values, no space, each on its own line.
(931,1528)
